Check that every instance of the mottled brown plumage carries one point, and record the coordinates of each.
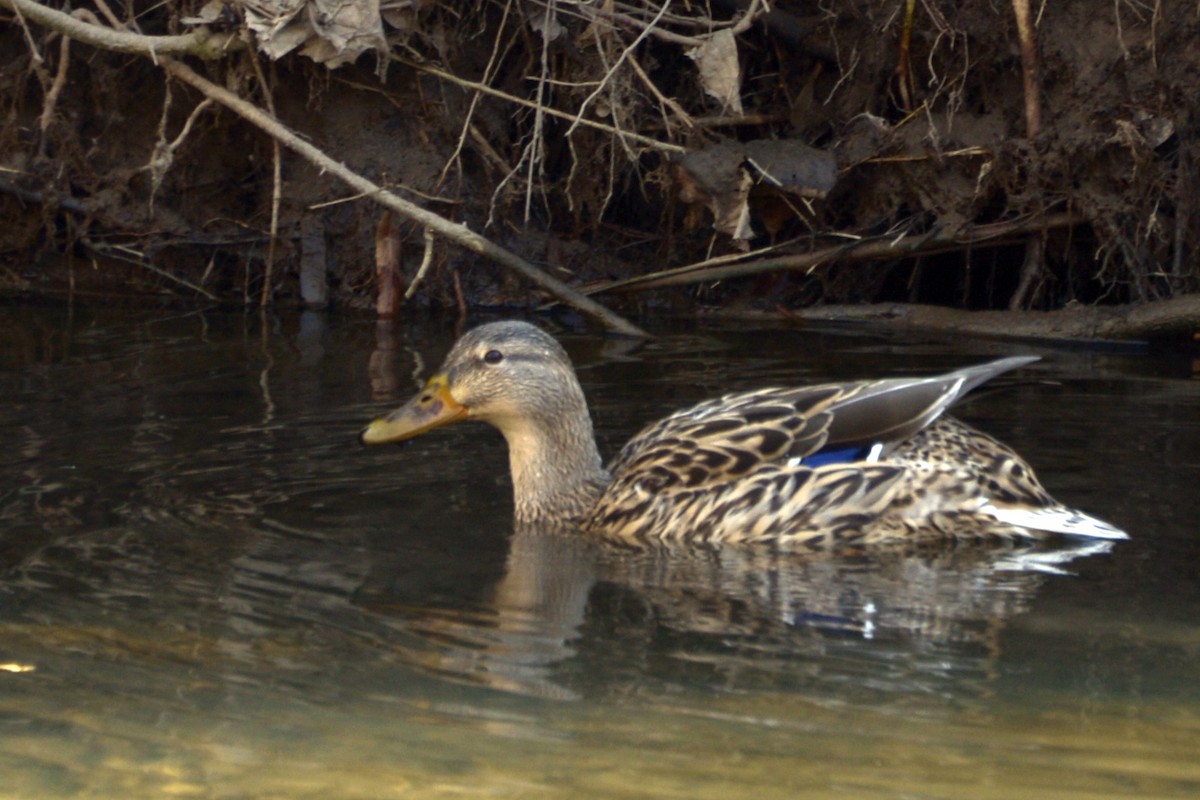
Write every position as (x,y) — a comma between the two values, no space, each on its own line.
(854,463)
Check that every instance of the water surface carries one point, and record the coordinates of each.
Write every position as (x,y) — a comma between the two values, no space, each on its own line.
(207,589)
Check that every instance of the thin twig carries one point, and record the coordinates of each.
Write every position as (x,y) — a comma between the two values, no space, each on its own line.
(426,260)
(400,186)
(276,184)
(488,151)
(468,119)
(33,51)
(587,101)
(683,115)
(460,299)
(112,18)
(903,72)
(131,256)
(715,261)
(1031,269)
(60,80)
(965,152)
(457,233)
(536,146)
(554,112)
(164,151)
(594,13)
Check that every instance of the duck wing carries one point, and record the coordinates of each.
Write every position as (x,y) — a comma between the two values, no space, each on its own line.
(723,439)
(889,411)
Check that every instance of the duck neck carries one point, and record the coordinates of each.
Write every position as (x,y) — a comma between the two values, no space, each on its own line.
(556,469)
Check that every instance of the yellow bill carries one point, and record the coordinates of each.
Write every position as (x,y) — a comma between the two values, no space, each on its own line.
(433,407)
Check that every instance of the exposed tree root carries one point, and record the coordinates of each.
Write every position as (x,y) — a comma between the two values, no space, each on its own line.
(574,123)
(202,42)
(459,234)
(158,47)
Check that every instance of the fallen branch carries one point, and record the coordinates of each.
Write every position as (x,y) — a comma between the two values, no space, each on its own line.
(131,256)
(459,233)
(1129,325)
(862,250)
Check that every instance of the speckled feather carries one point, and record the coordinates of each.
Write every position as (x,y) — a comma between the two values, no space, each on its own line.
(737,469)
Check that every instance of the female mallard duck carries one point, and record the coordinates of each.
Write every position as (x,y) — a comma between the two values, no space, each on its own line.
(840,463)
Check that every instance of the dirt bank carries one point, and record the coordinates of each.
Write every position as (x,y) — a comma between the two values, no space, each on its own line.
(935,152)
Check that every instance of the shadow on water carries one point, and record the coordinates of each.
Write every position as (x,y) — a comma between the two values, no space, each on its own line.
(207,589)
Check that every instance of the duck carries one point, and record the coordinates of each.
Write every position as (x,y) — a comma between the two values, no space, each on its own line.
(845,464)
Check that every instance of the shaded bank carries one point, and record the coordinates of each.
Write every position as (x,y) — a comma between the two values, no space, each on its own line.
(935,152)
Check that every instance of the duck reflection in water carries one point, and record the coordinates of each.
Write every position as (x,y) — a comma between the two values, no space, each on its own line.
(854,508)
(570,616)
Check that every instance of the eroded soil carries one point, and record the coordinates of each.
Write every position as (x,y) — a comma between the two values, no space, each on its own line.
(103,186)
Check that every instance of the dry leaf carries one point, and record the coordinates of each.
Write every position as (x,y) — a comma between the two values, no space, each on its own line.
(401,14)
(721,177)
(720,73)
(331,32)
(792,166)
(208,14)
(544,21)
(714,176)
(865,136)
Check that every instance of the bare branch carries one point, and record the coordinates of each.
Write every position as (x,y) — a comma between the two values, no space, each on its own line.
(457,233)
(202,42)
(612,70)
(646,141)
(158,47)
(905,245)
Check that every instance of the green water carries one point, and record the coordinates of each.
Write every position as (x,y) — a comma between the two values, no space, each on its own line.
(207,589)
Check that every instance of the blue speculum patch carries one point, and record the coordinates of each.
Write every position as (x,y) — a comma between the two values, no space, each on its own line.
(841,455)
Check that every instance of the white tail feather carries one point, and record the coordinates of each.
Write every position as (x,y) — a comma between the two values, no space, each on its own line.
(1056,519)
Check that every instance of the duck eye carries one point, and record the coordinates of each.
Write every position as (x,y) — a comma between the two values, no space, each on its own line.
(493,357)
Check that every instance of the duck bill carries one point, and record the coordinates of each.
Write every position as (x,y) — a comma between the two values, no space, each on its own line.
(432,408)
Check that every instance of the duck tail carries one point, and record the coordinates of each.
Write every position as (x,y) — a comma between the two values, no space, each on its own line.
(1057,519)
(982,373)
